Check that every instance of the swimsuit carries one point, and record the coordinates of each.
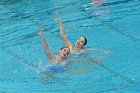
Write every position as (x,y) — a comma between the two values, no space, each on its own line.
(56,68)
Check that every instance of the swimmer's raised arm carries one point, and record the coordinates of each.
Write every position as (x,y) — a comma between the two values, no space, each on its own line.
(67,43)
(45,45)
(98,50)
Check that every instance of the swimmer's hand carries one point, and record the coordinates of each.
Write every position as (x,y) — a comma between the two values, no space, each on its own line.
(107,51)
(57,17)
(41,31)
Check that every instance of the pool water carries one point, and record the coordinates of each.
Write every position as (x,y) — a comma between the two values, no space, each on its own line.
(107,24)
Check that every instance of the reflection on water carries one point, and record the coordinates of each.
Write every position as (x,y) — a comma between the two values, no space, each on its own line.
(99,7)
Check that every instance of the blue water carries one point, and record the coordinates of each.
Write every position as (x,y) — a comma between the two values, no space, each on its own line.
(109,24)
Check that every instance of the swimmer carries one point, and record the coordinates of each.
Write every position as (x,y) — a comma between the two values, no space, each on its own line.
(80,43)
(63,52)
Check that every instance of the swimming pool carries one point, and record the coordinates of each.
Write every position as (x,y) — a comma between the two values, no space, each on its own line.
(112,25)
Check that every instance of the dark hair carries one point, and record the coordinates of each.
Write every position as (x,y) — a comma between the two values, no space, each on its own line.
(85,40)
(64,47)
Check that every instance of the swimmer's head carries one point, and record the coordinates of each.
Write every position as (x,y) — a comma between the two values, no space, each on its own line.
(82,41)
(64,52)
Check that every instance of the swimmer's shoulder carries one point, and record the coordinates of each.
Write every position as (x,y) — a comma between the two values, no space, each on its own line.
(53,60)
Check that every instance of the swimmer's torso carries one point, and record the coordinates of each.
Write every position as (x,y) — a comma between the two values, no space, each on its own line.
(56,68)
(55,60)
